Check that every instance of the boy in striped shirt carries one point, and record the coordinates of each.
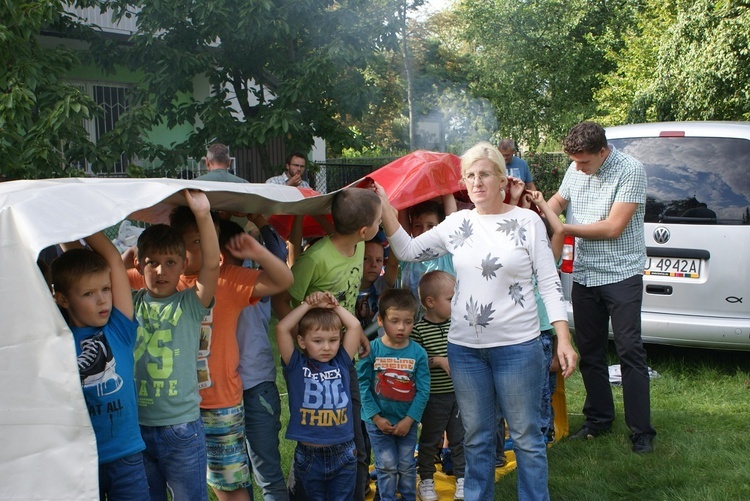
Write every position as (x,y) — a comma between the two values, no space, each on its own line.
(441,414)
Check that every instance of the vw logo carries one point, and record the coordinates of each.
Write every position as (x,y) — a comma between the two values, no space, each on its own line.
(661,235)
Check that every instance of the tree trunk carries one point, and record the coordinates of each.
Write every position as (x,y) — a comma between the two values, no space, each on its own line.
(409,79)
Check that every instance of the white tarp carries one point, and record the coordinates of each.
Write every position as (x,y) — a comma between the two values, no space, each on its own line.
(47,446)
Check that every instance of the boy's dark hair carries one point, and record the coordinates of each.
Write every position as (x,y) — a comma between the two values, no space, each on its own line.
(227,230)
(182,219)
(432,283)
(72,265)
(427,207)
(319,319)
(219,154)
(295,154)
(160,239)
(586,137)
(399,299)
(354,208)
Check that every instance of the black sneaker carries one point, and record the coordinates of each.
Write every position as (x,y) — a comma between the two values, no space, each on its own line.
(587,433)
(95,363)
(643,443)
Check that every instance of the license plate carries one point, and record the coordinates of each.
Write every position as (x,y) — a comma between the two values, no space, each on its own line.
(673,267)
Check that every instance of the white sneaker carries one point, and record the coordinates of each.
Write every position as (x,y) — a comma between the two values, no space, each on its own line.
(459,496)
(427,490)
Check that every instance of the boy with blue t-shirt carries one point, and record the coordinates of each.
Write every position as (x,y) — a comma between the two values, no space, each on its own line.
(394,380)
(420,219)
(166,353)
(556,234)
(91,287)
(320,405)
(378,274)
(334,264)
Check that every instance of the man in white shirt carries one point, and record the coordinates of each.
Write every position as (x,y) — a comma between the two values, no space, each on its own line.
(292,175)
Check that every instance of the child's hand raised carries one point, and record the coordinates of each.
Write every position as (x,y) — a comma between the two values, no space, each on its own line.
(197,201)
(516,187)
(321,300)
(243,246)
(537,198)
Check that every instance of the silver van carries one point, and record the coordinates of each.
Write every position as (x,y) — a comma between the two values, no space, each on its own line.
(697,229)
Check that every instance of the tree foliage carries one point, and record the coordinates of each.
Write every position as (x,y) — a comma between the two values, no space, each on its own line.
(298,69)
(291,68)
(467,118)
(684,60)
(41,115)
(440,89)
(539,61)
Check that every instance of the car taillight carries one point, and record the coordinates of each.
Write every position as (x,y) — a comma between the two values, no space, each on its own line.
(568,253)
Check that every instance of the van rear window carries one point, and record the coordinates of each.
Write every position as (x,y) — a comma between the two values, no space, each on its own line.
(694,180)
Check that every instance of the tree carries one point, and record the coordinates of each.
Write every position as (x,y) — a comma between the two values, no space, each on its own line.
(293,68)
(444,85)
(684,60)
(438,84)
(41,115)
(538,62)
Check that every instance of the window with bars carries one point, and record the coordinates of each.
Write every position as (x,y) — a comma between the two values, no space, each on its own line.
(113,99)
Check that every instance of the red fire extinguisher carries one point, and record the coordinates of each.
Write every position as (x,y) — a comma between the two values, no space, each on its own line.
(568,253)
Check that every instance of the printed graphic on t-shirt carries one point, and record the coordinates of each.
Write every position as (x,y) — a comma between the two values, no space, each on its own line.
(154,342)
(394,378)
(204,351)
(97,365)
(348,296)
(325,399)
(204,375)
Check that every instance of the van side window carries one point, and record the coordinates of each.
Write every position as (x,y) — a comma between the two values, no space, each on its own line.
(694,180)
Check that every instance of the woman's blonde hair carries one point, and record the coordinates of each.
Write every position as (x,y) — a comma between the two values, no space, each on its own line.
(480,151)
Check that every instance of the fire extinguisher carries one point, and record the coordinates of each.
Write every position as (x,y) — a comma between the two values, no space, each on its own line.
(568,253)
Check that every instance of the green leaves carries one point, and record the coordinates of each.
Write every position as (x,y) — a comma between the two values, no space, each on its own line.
(681,61)
(290,69)
(41,116)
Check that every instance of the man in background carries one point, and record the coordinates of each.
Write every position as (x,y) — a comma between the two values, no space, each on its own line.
(218,162)
(515,166)
(292,175)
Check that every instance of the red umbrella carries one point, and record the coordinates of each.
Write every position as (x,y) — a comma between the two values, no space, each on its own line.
(423,175)
(419,176)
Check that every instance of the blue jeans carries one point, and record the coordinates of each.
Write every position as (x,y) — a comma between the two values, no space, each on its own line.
(550,385)
(124,479)
(262,425)
(327,473)
(175,460)
(508,378)
(394,462)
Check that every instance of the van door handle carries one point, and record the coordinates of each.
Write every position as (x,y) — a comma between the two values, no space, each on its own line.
(665,290)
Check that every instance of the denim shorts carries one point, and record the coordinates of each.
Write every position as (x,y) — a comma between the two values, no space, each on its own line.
(228,463)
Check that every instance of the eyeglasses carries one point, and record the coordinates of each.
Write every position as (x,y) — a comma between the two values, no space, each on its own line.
(301,166)
(482,176)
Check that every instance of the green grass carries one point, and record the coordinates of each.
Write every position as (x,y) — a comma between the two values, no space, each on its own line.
(700,407)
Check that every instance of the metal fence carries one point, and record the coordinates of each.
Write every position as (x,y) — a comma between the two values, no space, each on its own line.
(335,174)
